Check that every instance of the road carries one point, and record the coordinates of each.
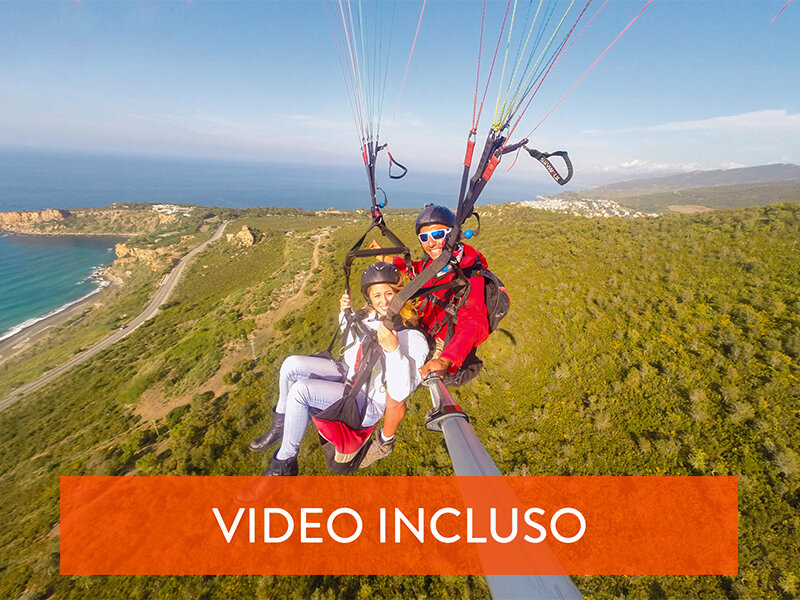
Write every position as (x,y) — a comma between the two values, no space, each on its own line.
(150,311)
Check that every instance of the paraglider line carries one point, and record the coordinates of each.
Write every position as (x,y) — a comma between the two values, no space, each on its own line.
(780,11)
(497,48)
(478,74)
(589,22)
(591,67)
(553,61)
(408,64)
(344,73)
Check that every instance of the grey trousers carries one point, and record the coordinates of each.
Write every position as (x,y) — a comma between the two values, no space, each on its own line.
(309,384)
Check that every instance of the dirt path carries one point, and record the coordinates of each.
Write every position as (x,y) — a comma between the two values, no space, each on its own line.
(152,406)
(294,301)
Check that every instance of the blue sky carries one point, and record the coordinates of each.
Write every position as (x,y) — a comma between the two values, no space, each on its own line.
(692,85)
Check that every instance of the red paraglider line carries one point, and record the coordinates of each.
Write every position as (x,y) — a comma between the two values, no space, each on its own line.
(408,64)
(489,79)
(780,11)
(591,67)
(589,22)
(561,54)
(553,62)
(478,73)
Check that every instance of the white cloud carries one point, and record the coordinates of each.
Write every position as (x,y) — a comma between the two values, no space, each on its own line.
(645,167)
(759,122)
(638,165)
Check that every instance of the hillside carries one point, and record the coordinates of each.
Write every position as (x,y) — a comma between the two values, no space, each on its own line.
(708,198)
(703,179)
(662,346)
(688,193)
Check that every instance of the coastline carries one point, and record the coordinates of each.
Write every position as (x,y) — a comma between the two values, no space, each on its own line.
(26,334)
(7,231)
(23,335)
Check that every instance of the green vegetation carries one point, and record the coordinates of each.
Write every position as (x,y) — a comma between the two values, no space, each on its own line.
(724,196)
(660,197)
(130,219)
(634,347)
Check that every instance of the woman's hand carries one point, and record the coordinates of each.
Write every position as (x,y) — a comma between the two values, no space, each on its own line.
(381,257)
(387,338)
(345,302)
(435,365)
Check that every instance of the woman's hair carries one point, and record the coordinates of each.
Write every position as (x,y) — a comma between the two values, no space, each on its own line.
(409,312)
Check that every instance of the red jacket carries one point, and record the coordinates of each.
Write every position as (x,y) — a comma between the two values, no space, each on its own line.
(472,326)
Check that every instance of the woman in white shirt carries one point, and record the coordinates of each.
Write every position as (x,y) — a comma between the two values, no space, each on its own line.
(310,384)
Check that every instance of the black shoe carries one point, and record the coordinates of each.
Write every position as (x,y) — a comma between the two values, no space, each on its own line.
(272,437)
(282,467)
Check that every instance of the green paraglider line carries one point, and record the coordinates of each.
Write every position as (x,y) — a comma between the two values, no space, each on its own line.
(363,45)
(494,59)
(527,83)
(521,50)
(574,85)
(531,83)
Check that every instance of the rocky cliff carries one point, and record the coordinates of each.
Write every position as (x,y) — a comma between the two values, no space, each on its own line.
(157,257)
(243,239)
(88,221)
(24,220)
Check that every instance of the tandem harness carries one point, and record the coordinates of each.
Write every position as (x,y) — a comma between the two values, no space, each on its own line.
(343,437)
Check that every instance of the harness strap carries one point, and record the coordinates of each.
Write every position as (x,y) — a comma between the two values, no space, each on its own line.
(370,351)
(354,324)
(370,354)
(356,251)
(492,151)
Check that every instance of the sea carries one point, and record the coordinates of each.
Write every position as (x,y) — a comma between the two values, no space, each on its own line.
(41,275)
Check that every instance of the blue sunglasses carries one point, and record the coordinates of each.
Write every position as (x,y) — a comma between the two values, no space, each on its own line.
(437,235)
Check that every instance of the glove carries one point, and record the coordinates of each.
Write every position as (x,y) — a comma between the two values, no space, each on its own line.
(378,449)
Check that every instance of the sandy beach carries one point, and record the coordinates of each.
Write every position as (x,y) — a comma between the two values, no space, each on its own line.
(31,335)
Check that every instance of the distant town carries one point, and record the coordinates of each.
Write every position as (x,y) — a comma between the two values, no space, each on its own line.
(585,207)
(171,209)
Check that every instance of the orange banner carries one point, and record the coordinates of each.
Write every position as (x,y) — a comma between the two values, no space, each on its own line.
(399,525)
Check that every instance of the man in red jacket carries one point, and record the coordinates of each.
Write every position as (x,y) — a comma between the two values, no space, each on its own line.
(471,329)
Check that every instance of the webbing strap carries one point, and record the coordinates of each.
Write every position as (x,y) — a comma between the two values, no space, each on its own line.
(354,324)
(417,283)
(369,152)
(416,287)
(467,160)
(492,150)
(370,353)
(356,251)
(543,157)
(392,161)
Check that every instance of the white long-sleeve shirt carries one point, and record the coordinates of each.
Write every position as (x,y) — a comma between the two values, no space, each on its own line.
(402,365)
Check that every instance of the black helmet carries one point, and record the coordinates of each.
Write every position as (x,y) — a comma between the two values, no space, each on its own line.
(435,215)
(379,272)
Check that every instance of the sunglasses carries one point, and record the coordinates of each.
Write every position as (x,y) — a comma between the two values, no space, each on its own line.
(437,235)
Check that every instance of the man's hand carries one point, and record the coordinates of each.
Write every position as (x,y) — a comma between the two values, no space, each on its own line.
(381,257)
(387,338)
(345,302)
(434,365)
